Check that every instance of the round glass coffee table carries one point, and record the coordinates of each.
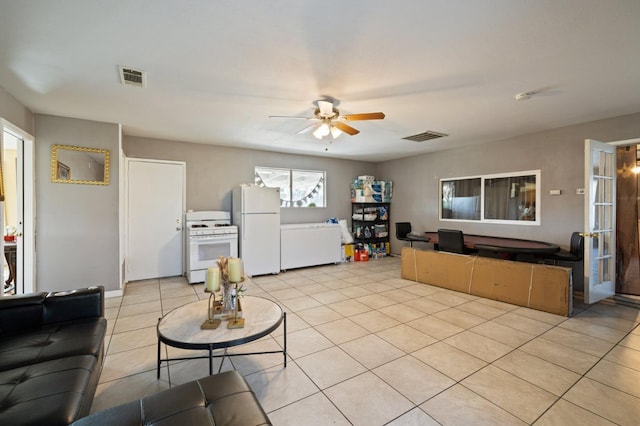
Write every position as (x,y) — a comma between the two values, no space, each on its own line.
(180,328)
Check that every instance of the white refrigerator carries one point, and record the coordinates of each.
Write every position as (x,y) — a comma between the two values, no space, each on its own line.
(256,212)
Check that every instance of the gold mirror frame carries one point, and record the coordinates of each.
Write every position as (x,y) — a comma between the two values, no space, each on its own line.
(60,169)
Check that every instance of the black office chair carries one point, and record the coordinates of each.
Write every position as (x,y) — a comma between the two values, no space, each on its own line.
(451,240)
(403,233)
(575,253)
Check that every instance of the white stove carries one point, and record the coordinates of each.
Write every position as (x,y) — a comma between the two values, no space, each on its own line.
(209,235)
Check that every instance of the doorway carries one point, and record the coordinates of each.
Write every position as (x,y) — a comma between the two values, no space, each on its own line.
(155,211)
(628,219)
(17,212)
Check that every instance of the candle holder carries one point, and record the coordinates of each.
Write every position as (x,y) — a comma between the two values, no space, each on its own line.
(231,275)
(214,308)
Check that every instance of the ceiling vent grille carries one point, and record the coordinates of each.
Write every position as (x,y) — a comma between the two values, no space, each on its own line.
(425,136)
(133,77)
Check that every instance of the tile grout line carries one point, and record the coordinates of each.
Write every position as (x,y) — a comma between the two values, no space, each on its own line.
(369,333)
(552,326)
(584,376)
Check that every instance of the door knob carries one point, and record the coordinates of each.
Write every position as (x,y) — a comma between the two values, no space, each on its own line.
(588,234)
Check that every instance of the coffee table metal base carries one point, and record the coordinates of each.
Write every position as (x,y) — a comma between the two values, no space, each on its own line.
(167,336)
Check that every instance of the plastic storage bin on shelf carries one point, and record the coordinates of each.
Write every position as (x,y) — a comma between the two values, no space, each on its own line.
(371,191)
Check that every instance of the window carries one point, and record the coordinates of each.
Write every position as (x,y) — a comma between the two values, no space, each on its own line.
(461,199)
(503,198)
(298,188)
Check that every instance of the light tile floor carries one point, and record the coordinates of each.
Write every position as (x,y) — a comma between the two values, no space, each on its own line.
(369,348)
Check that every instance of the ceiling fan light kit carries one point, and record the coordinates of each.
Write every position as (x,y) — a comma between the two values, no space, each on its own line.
(335,132)
(331,123)
(322,131)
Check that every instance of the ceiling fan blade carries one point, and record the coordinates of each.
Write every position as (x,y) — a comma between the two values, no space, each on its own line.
(292,116)
(346,128)
(365,116)
(308,128)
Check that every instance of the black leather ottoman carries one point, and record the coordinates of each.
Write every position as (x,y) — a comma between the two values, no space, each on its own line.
(221,399)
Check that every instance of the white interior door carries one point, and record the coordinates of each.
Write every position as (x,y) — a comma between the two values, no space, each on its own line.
(600,221)
(19,219)
(155,200)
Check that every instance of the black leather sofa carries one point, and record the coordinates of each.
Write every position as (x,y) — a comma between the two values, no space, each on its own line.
(51,353)
(221,399)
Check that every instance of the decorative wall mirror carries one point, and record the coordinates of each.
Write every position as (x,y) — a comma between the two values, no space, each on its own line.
(75,164)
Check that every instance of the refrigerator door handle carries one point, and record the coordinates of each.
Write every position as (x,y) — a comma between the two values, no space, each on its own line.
(244,233)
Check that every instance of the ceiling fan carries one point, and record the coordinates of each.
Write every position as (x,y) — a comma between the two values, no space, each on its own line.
(329,122)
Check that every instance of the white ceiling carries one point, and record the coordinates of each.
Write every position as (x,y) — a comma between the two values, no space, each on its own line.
(217,69)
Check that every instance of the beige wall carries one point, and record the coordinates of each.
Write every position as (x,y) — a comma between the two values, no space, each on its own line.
(558,153)
(212,171)
(78,229)
(16,113)
(77,235)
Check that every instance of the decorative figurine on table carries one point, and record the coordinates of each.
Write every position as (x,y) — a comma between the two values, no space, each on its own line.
(227,285)
(226,277)
(214,307)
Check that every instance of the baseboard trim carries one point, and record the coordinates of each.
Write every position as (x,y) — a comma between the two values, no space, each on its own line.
(113,293)
(627,299)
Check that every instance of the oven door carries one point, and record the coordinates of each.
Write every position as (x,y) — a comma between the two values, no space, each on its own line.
(204,251)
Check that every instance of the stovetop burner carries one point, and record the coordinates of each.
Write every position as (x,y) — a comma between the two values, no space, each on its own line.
(206,223)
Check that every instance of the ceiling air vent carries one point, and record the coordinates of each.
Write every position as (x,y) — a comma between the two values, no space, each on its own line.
(133,77)
(425,136)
